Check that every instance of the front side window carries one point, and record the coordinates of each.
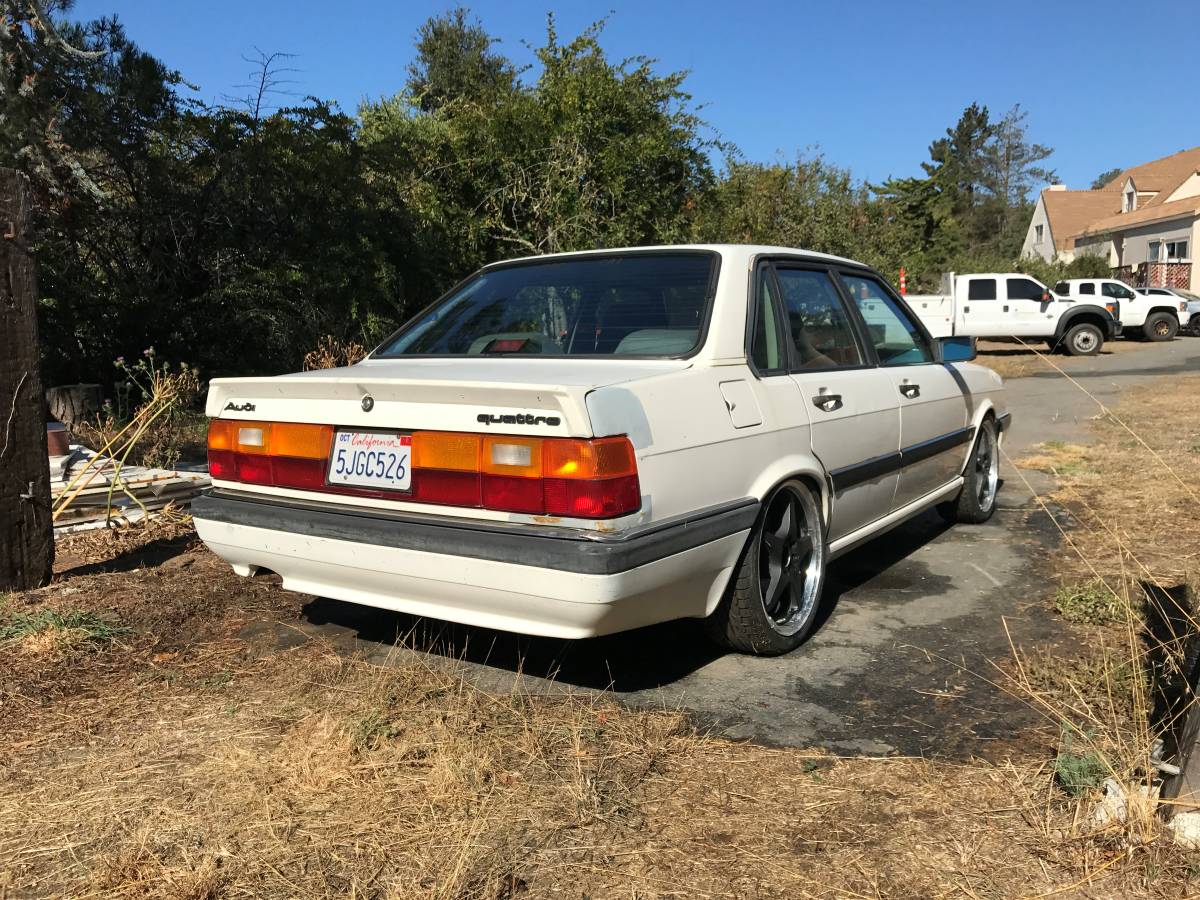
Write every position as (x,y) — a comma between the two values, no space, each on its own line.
(817,322)
(896,338)
(1024,289)
(1117,291)
(630,304)
(981,289)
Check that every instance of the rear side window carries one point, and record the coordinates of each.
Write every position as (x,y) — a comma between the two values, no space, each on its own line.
(981,289)
(766,346)
(821,334)
(1024,289)
(1087,289)
(1117,291)
(631,304)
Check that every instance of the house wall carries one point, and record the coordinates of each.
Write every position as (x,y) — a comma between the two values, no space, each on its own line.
(1031,247)
(1195,288)
(1097,247)
(1136,248)
(1190,188)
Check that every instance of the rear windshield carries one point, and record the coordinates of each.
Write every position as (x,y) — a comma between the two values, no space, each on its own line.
(621,305)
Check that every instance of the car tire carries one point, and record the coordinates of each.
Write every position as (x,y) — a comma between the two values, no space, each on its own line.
(1160,326)
(1194,324)
(976,502)
(1083,339)
(773,598)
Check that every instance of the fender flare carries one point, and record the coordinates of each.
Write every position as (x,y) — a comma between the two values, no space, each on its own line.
(1090,310)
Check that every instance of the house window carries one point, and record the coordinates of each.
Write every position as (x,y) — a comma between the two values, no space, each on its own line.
(1037,233)
(1130,201)
(1177,251)
(1153,250)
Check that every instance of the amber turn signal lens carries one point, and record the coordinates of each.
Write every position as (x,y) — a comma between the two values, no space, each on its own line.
(300,441)
(602,458)
(445,450)
(222,434)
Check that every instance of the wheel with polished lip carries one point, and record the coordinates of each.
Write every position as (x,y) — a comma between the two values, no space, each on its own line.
(772,600)
(976,501)
(1083,339)
(1161,326)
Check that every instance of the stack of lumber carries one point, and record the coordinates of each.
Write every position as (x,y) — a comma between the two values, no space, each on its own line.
(102,492)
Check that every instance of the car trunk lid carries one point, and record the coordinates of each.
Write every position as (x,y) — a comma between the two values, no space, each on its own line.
(515,396)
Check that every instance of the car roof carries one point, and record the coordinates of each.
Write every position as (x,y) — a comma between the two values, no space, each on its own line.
(726,251)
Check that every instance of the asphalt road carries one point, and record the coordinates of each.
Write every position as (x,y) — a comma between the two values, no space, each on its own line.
(901,661)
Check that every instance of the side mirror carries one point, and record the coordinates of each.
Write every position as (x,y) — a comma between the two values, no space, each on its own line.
(955,349)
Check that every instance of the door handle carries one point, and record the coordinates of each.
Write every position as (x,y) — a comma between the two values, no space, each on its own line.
(910,390)
(966,309)
(1006,309)
(827,402)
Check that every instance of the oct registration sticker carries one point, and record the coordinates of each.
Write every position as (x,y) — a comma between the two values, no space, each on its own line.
(372,459)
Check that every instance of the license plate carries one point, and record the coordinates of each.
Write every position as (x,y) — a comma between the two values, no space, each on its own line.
(372,459)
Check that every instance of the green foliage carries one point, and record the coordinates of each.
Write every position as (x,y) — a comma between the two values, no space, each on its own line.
(1104,178)
(1078,771)
(1090,602)
(238,238)
(91,626)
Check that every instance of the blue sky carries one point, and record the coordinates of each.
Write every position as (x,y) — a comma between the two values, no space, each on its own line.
(868,84)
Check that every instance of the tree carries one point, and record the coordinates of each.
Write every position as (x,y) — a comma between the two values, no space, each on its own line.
(455,62)
(1102,180)
(591,153)
(1011,170)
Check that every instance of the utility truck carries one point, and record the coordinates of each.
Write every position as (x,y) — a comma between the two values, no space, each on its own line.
(1009,304)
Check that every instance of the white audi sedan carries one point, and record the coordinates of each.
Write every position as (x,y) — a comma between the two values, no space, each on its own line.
(579,444)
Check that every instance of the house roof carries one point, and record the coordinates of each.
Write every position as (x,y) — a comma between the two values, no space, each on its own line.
(1160,175)
(1188,206)
(1069,212)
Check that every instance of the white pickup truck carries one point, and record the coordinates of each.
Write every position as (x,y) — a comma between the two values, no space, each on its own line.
(1143,317)
(1014,305)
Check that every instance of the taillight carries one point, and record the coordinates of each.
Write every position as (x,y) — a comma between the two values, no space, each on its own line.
(567,477)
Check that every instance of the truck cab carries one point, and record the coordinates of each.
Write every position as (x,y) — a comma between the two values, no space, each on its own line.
(1143,317)
(1011,304)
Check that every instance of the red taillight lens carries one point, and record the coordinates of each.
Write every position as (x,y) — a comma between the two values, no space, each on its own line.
(566,477)
(254,469)
(605,499)
(450,488)
(513,494)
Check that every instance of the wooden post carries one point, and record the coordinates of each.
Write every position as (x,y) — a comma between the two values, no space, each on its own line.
(26,528)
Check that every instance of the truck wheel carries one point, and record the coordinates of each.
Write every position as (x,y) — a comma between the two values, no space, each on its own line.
(1083,339)
(976,501)
(1194,324)
(772,599)
(1161,326)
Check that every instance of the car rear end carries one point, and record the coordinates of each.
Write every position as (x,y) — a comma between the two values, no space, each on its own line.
(469,486)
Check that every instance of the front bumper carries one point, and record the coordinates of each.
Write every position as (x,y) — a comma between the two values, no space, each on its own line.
(530,579)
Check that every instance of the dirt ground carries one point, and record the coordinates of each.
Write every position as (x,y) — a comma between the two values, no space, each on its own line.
(1014,359)
(149,748)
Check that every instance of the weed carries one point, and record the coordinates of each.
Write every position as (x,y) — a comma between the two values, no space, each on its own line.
(1090,602)
(1077,770)
(92,627)
(372,730)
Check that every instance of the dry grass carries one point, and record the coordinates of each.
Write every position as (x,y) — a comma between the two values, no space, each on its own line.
(405,782)
(184,761)
(1017,360)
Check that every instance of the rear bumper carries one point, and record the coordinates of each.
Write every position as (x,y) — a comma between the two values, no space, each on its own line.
(528,579)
